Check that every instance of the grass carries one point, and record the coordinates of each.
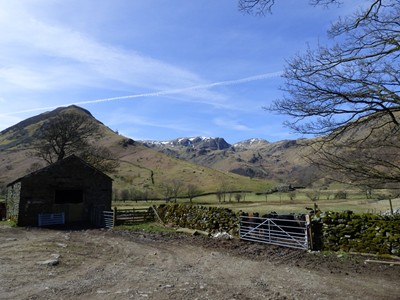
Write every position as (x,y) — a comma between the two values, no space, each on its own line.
(281,203)
(8,223)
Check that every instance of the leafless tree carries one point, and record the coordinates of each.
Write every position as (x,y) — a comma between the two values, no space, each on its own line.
(177,187)
(166,191)
(292,195)
(172,189)
(261,7)
(222,191)
(349,93)
(367,157)
(63,135)
(313,195)
(124,195)
(238,197)
(333,89)
(100,157)
(71,133)
(192,191)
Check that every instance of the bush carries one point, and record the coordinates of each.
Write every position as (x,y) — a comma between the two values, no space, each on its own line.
(341,195)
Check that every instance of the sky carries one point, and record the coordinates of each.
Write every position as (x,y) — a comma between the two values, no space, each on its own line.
(156,69)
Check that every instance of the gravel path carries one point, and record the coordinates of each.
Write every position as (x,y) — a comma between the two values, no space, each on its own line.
(111,264)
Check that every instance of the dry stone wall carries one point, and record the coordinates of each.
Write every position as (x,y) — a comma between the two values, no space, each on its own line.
(366,233)
(332,231)
(210,219)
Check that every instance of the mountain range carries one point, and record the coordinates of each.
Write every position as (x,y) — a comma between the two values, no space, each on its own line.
(142,168)
(206,162)
(253,158)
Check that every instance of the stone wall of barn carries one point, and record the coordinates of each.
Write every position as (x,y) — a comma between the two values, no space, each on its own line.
(38,192)
(12,201)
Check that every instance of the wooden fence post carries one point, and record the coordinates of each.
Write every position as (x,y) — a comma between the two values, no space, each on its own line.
(157,215)
(115,216)
(310,234)
(391,206)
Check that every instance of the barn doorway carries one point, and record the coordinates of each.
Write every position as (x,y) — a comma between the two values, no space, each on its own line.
(68,196)
(71,202)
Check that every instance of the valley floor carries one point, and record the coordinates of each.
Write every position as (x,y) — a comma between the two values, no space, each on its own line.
(117,264)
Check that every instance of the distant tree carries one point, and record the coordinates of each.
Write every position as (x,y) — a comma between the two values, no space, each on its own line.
(367,190)
(341,195)
(192,191)
(348,93)
(124,195)
(282,188)
(70,133)
(219,195)
(223,190)
(238,197)
(166,191)
(177,187)
(171,189)
(292,195)
(313,195)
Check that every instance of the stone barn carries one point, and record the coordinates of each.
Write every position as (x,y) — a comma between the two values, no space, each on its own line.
(71,191)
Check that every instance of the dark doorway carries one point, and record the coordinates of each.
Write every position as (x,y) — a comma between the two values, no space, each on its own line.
(68,196)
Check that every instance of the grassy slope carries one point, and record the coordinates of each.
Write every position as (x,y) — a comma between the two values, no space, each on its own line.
(140,168)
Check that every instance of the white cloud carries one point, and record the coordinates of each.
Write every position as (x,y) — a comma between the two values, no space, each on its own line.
(53,53)
(231,124)
(34,51)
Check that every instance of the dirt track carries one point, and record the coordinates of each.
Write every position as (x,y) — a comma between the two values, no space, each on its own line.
(102,264)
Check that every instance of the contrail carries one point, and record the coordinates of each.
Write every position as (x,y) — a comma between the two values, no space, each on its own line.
(159,93)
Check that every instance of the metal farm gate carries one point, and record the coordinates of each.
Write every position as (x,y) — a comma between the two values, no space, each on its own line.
(282,230)
(108,219)
(115,217)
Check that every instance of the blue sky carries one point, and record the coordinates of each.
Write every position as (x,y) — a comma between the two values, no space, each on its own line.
(155,69)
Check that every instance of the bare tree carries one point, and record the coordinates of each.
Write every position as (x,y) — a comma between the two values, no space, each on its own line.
(333,89)
(124,195)
(222,191)
(100,157)
(192,191)
(261,7)
(166,191)
(367,158)
(313,195)
(292,195)
(349,93)
(65,134)
(171,189)
(176,186)
(70,133)
(238,197)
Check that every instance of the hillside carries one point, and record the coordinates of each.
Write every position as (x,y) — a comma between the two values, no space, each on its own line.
(141,169)
(254,158)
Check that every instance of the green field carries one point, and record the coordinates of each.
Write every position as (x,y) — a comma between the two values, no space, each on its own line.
(282,203)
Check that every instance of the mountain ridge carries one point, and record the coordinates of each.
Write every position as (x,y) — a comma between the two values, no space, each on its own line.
(252,164)
(254,158)
(141,169)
